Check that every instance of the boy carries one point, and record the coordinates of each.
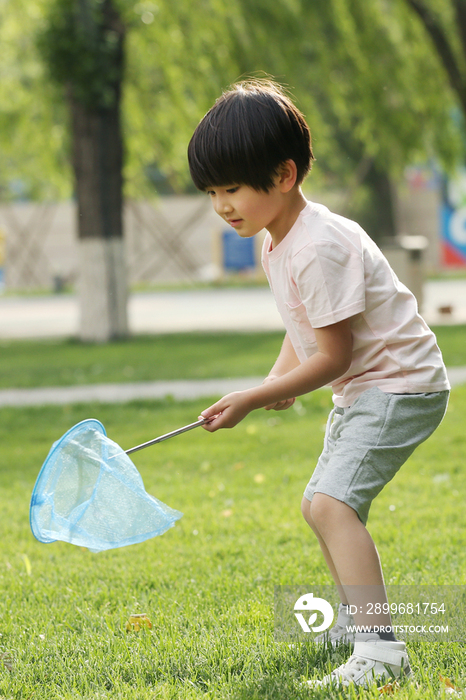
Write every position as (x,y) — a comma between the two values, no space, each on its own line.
(349,323)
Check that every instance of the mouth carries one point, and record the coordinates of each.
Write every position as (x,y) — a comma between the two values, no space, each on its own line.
(234,222)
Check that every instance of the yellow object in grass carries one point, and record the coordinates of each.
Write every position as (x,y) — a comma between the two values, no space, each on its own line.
(137,622)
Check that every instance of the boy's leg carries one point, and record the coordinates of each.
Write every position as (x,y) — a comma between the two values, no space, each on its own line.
(306,511)
(341,632)
(353,556)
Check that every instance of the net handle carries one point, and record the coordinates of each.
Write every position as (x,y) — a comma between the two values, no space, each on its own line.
(184,429)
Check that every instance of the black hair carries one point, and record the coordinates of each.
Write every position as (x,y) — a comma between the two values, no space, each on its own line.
(249,132)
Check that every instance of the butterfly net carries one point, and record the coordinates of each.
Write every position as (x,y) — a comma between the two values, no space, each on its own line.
(89,493)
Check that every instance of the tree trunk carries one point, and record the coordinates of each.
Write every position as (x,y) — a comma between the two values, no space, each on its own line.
(379,217)
(97,164)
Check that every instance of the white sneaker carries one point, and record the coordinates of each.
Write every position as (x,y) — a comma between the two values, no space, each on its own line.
(341,632)
(372,659)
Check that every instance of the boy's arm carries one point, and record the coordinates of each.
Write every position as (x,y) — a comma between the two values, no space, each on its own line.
(286,361)
(332,360)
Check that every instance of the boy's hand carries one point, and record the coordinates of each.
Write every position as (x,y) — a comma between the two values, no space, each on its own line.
(279,405)
(332,360)
(227,412)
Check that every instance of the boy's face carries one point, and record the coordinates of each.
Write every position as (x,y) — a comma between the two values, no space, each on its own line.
(247,210)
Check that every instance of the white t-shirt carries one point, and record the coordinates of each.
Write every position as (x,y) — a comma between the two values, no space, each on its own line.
(328,269)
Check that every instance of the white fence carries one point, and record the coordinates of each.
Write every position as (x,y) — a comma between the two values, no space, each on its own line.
(171,240)
(174,239)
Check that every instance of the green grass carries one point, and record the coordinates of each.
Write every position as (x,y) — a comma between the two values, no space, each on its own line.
(142,358)
(207,584)
(149,358)
(452,342)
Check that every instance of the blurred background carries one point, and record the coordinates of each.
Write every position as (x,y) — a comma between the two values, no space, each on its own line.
(99,98)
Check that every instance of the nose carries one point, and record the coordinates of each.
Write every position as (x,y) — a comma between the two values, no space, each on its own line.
(222,205)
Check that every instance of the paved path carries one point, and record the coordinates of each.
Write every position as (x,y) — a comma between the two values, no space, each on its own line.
(122,393)
(160,312)
(197,309)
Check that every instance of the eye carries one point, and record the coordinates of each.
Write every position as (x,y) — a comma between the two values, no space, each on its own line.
(232,190)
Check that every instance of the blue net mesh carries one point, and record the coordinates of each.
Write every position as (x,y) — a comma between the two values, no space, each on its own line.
(89,493)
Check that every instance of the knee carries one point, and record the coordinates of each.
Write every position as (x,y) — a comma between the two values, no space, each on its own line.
(306,507)
(306,510)
(319,510)
(326,512)
(323,511)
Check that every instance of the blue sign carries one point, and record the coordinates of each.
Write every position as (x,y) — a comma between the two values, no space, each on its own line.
(453,236)
(238,253)
(453,218)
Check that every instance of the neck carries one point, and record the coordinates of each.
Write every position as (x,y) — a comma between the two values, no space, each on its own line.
(294,204)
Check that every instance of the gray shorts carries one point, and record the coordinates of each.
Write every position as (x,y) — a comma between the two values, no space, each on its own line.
(367,443)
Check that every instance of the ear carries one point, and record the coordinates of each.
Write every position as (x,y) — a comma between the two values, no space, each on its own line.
(287,175)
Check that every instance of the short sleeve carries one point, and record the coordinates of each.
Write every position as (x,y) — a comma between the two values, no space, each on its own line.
(329,277)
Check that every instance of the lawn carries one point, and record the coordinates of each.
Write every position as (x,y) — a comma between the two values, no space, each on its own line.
(141,358)
(207,585)
(150,358)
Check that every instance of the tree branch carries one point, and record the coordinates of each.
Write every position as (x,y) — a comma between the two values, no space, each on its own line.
(460,12)
(442,46)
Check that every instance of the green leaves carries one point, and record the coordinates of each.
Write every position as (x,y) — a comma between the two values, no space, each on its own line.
(379,82)
(365,72)
(82,46)
(33,125)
